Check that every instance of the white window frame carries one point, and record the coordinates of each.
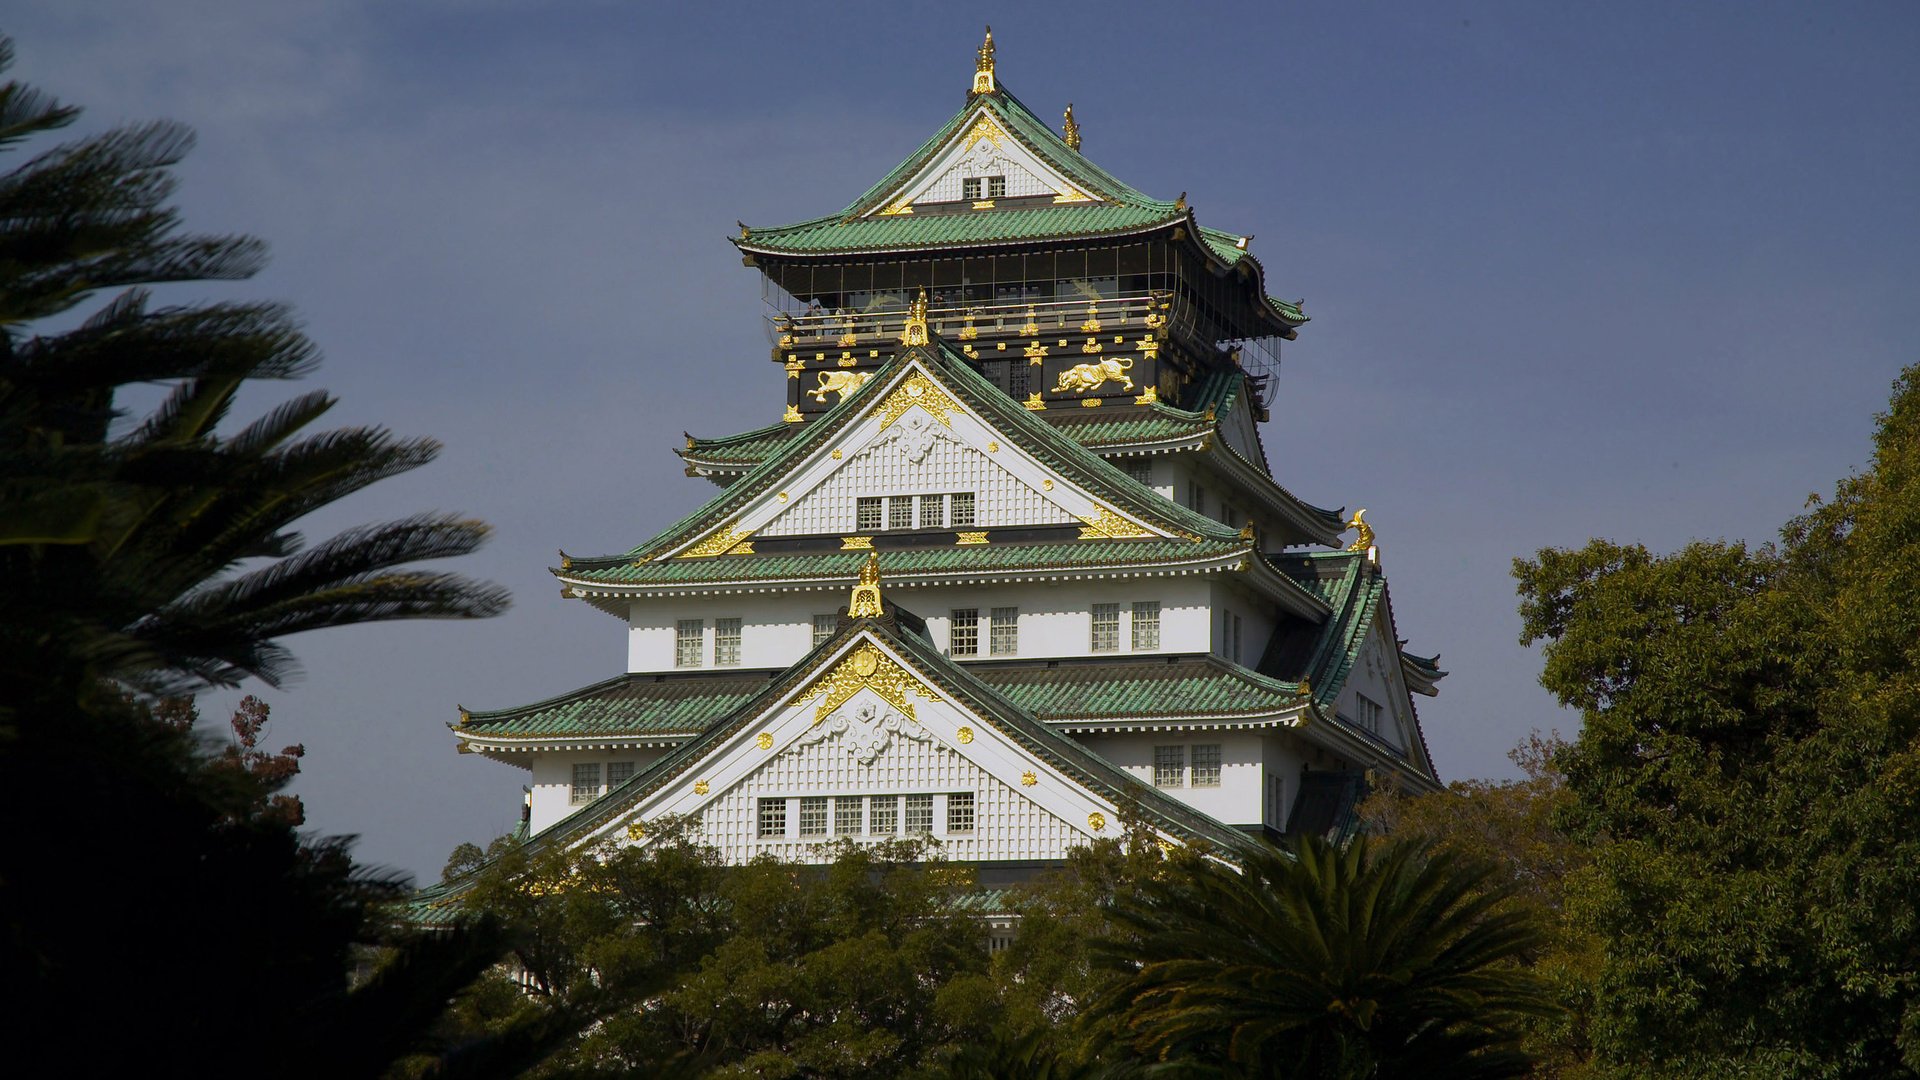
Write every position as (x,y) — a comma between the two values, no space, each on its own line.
(1003,631)
(916,817)
(619,772)
(765,814)
(726,642)
(814,816)
(1104,635)
(869,513)
(963,632)
(1170,766)
(586,782)
(824,624)
(1211,773)
(883,815)
(962,814)
(689,642)
(1146,626)
(961,509)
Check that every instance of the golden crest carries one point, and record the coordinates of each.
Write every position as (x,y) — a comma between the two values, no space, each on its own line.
(719,543)
(635,830)
(917,390)
(700,787)
(1097,821)
(971,538)
(1036,352)
(1028,779)
(1092,325)
(792,415)
(866,668)
(965,735)
(1108,525)
(1034,404)
(1152,395)
(765,740)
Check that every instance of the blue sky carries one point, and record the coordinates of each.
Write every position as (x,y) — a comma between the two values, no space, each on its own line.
(1639,271)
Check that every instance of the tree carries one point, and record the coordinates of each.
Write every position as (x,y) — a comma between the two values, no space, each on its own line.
(1514,825)
(147,885)
(1376,960)
(273,771)
(1747,776)
(656,959)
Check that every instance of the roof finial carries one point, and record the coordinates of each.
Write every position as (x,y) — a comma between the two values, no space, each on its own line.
(983,71)
(916,333)
(1180,204)
(1364,541)
(866,595)
(1073,130)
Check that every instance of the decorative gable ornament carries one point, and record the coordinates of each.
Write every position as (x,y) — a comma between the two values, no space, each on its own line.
(864,732)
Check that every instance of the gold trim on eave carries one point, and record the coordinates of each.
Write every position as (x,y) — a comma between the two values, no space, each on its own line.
(917,390)
(865,668)
(718,543)
(1108,525)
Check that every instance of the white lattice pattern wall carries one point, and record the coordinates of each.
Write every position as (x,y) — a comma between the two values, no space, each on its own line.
(985,160)
(1007,825)
(1000,498)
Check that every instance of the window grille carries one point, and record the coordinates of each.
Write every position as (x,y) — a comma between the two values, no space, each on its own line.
(963,632)
(919,814)
(1004,631)
(900,512)
(962,509)
(1106,628)
(1140,469)
(1169,766)
(773,817)
(960,812)
(971,187)
(1206,765)
(1018,380)
(884,815)
(933,511)
(849,814)
(866,514)
(813,815)
(1146,625)
(1196,498)
(824,626)
(687,635)
(996,187)
(618,772)
(1370,712)
(586,783)
(726,642)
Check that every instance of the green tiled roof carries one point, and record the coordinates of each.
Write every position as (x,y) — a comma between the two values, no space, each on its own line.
(1104,428)
(1352,587)
(746,448)
(634,704)
(836,235)
(1289,311)
(682,704)
(1188,686)
(897,562)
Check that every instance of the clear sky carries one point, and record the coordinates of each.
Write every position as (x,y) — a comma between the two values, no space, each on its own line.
(1634,270)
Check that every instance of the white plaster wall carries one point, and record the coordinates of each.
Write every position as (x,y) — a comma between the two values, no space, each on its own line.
(1243,765)
(553,780)
(775,630)
(1256,622)
(949,466)
(1378,676)
(1056,620)
(1282,762)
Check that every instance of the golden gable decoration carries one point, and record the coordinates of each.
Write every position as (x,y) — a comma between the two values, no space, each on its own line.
(864,668)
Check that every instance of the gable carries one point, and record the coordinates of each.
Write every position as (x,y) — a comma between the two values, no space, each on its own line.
(980,148)
(914,435)
(867,726)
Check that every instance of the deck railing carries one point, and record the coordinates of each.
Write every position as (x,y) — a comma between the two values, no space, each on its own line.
(843,329)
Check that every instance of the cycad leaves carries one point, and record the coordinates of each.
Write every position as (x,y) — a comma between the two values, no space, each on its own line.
(1323,961)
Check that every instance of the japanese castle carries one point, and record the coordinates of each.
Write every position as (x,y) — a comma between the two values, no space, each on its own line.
(1011,565)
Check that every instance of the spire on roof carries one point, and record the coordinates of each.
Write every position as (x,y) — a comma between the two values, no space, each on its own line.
(983,71)
(916,331)
(866,595)
(1072,130)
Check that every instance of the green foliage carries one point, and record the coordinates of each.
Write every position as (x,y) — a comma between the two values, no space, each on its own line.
(1747,780)
(1513,825)
(1317,961)
(153,887)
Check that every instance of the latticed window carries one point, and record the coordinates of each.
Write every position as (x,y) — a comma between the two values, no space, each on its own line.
(1018,381)
(1369,710)
(866,514)
(1196,498)
(1146,625)
(1106,628)
(1004,631)
(618,772)
(962,513)
(933,511)
(813,815)
(1140,469)
(726,642)
(687,639)
(824,626)
(963,633)
(996,187)
(885,811)
(849,814)
(900,512)
(1169,766)
(960,812)
(972,186)
(586,783)
(773,817)
(919,814)
(1206,765)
